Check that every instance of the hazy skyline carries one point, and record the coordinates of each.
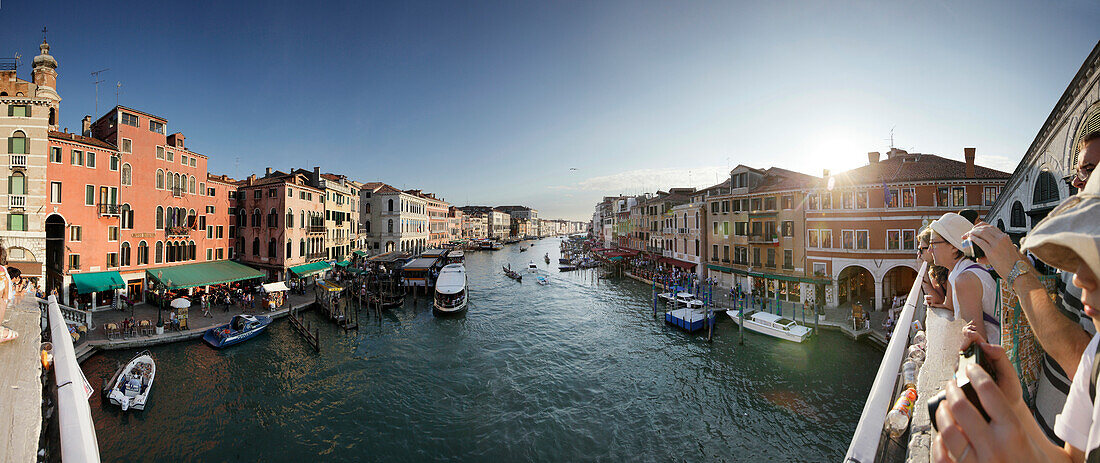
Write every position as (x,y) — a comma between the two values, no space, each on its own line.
(494,103)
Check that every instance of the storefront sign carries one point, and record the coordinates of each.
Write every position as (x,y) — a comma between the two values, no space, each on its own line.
(143,235)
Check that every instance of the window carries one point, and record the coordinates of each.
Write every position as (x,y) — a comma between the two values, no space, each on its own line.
(90,160)
(112,259)
(112,233)
(183,159)
(55,192)
(17,184)
(726,228)
(218,231)
(17,222)
(191,185)
(848,236)
(756,256)
(1046,188)
(861,199)
(76,158)
(788,259)
(819,268)
(130,119)
(289,192)
(908,239)
(739,228)
(157,127)
(126,174)
(74,261)
(989,195)
(160,217)
(209,254)
(160,152)
(289,218)
(159,252)
(19,110)
(89,195)
(771,257)
(271,248)
(788,202)
(125,254)
(812,238)
(725,206)
(788,228)
(714,252)
(755,204)
(55,154)
(143,253)
(826,238)
(861,239)
(908,197)
(847,200)
(893,239)
(126,217)
(76,233)
(769,203)
(170,156)
(1018,219)
(219,254)
(958,196)
(127,145)
(942,197)
(192,164)
(256,247)
(301,248)
(826,200)
(891,199)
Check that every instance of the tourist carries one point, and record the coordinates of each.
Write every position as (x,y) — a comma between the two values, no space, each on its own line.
(6,290)
(936,291)
(17,284)
(1067,239)
(973,291)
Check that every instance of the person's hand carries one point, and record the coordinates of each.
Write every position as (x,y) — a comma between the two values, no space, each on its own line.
(971,335)
(964,436)
(1000,253)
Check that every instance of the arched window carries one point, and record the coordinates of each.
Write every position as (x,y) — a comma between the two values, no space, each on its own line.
(191,251)
(160,217)
(160,252)
(390,209)
(1018,220)
(53,116)
(289,249)
(366,226)
(272,218)
(17,184)
(1046,188)
(125,254)
(289,219)
(160,179)
(255,217)
(176,182)
(191,185)
(303,217)
(126,175)
(271,248)
(256,246)
(389,226)
(191,218)
(126,217)
(17,144)
(143,253)
(1001,224)
(302,247)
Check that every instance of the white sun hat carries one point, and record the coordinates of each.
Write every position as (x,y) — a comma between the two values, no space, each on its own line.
(951,227)
(1070,233)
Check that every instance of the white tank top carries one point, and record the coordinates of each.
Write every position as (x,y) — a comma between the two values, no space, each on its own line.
(992,321)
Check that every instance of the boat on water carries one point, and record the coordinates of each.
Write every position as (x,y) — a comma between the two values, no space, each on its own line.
(682,298)
(531,267)
(241,328)
(566,268)
(451,290)
(547,257)
(564,260)
(512,274)
(542,279)
(772,325)
(130,386)
(522,249)
(496,246)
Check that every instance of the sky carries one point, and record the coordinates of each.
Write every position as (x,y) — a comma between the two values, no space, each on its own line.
(554,104)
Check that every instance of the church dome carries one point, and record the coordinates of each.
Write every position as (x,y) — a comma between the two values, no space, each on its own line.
(44,59)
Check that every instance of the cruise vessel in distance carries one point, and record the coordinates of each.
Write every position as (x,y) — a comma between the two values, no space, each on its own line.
(451,290)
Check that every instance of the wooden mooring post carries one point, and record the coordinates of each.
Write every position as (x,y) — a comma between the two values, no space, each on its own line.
(313,339)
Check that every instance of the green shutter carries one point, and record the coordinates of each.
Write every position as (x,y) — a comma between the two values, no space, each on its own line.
(11,110)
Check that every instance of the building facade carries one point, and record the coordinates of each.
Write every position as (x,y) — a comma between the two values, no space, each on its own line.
(280,222)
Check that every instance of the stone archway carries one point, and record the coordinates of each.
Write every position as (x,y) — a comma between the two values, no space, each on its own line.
(856,283)
(55,253)
(898,281)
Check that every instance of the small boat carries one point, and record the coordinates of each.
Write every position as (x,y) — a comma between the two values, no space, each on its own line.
(547,257)
(451,290)
(688,300)
(531,267)
(496,246)
(522,249)
(241,328)
(772,325)
(542,279)
(513,274)
(564,261)
(130,386)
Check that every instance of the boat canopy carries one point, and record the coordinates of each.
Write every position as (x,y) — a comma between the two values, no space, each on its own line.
(306,270)
(203,273)
(87,283)
(421,264)
(328,286)
(433,253)
(452,279)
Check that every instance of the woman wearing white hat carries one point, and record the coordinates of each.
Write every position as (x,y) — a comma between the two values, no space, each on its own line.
(972,287)
(1068,239)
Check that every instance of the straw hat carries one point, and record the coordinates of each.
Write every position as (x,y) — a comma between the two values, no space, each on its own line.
(951,227)
(1071,232)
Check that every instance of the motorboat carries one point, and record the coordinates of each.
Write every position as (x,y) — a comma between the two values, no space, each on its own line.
(131,384)
(241,328)
(772,325)
(531,267)
(542,279)
(496,246)
(566,268)
(451,290)
(688,300)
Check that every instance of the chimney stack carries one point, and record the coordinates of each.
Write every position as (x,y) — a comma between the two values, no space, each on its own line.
(86,126)
(872,157)
(251,179)
(824,173)
(267,172)
(968,153)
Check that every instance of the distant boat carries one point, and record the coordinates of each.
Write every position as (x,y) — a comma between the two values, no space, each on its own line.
(451,290)
(131,384)
(566,268)
(772,325)
(547,257)
(241,328)
(531,267)
(542,279)
(513,274)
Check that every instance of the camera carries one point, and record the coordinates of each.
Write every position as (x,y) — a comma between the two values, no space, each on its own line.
(972,250)
(972,355)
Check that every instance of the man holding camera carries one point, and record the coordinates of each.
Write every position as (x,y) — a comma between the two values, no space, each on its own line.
(1068,239)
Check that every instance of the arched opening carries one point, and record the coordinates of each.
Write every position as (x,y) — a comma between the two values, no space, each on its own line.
(53,116)
(1017,219)
(897,282)
(55,253)
(1046,189)
(160,179)
(17,144)
(159,252)
(143,253)
(390,206)
(17,184)
(124,255)
(856,283)
(127,174)
(271,248)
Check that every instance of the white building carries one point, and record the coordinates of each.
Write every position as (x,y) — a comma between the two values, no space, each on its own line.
(393,220)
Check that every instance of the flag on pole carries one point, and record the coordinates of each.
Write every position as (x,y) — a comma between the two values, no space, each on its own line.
(887,198)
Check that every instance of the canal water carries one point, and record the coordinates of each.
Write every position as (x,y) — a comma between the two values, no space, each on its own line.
(577,370)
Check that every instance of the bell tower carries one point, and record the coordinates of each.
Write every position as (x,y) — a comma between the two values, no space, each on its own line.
(44,75)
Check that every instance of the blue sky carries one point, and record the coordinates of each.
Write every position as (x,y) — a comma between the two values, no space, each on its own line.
(494,102)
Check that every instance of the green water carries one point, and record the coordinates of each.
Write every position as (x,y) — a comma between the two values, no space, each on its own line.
(575,371)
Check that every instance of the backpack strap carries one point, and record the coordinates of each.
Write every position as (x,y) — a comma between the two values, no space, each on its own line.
(1093,375)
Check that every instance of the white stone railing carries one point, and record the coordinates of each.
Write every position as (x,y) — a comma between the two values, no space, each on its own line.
(17,200)
(74,416)
(71,315)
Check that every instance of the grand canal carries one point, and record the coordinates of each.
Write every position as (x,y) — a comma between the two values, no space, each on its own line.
(578,370)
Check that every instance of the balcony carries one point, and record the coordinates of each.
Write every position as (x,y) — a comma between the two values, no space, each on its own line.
(17,201)
(18,161)
(177,231)
(316,255)
(108,209)
(764,239)
(316,229)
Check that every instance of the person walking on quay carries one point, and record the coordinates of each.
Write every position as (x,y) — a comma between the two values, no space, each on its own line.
(205,306)
(6,293)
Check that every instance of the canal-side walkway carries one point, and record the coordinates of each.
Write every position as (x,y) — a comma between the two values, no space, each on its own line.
(197,324)
(21,384)
(833,318)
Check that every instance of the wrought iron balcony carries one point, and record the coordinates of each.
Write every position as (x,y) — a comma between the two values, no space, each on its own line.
(316,228)
(764,239)
(177,231)
(108,209)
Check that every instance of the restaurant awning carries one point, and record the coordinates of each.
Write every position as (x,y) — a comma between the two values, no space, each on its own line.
(360,253)
(306,270)
(87,283)
(203,273)
(678,263)
(275,287)
(343,263)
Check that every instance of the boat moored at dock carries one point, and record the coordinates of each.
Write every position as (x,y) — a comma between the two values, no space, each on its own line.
(241,328)
(772,325)
(131,384)
(451,290)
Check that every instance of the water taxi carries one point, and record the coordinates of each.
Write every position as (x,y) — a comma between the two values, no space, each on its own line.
(451,290)
(772,325)
(131,384)
(241,328)
(531,267)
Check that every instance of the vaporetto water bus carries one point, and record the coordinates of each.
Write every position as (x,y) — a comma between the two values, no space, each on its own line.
(451,295)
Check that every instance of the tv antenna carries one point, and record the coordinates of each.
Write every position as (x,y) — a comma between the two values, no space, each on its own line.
(96,81)
(118,89)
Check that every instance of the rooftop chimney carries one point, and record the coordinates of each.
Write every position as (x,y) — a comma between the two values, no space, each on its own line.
(968,153)
(825,173)
(251,179)
(267,172)
(872,157)
(86,126)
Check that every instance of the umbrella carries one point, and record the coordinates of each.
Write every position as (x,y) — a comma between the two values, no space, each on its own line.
(180,303)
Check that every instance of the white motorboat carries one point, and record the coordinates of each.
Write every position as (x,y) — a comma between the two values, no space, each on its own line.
(772,325)
(531,267)
(130,386)
(688,300)
(451,290)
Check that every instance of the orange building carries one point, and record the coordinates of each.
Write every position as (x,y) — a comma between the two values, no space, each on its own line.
(280,221)
(861,225)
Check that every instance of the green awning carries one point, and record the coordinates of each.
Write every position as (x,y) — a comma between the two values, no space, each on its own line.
(203,273)
(306,270)
(343,263)
(87,283)
(811,280)
(360,253)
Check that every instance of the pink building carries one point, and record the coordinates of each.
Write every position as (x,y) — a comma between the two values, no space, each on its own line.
(280,222)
